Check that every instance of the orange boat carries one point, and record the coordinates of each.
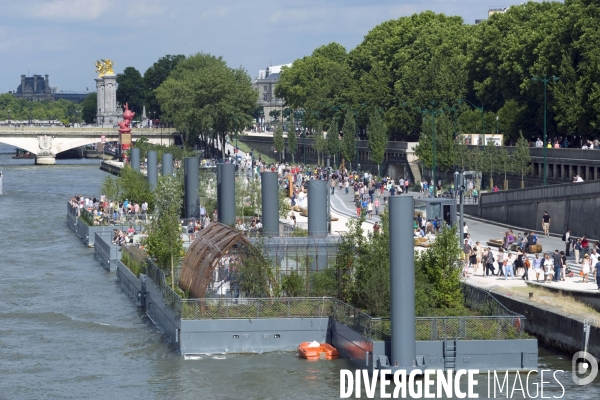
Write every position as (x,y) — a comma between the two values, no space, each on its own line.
(310,351)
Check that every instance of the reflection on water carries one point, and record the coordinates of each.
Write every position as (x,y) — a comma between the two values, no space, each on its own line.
(68,332)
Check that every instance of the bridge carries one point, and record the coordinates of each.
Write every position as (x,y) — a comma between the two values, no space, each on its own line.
(46,142)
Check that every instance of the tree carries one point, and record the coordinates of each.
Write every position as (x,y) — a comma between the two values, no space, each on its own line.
(333,140)
(164,241)
(278,141)
(89,108)
(319,142)
(461,153)
(378,139)
(444,141)
(506,164)
(490,161)
(348,145)
(130,89)
(521,158)
(110,187)
(292,141)
(275,114)
(134,186)
(206,99)
(154,77)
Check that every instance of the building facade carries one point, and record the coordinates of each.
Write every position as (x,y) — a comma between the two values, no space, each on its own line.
(34,88)
(265,85)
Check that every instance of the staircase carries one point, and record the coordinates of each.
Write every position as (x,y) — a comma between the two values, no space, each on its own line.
(449,354)
(416,172)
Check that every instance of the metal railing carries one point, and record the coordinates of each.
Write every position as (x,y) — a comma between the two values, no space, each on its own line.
(283,307)
(170,297)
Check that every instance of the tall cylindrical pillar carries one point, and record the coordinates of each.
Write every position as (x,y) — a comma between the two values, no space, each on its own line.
(402,282)
(191,196)
(227,192)
(219,190)
(317,208)
(167,164)
(151,169)
(270,203)
(135,159)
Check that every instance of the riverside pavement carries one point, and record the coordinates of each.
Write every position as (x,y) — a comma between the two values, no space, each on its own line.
(482,231)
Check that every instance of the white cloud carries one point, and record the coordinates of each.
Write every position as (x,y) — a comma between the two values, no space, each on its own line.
(72,9)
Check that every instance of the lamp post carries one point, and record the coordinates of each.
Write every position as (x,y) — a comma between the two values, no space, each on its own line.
(545,80)
(9,117)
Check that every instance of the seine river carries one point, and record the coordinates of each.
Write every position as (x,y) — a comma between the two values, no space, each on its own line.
(68,332)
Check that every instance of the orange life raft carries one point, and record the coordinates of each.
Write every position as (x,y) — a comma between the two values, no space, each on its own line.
(314,353)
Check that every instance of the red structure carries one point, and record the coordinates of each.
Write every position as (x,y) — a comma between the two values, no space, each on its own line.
(124,129)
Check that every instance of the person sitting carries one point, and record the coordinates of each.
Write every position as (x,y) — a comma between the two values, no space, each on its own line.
(508,239)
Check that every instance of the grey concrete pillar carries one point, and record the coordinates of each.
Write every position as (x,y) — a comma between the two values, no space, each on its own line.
(270,203)
(167,164)
(151,169)
(191,198)
(219,190)
(317,208)
(135,159)
(402,282)
(227,192)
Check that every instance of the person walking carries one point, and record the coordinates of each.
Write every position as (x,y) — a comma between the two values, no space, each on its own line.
(489,262)
(501,257)
(508,267)
(563,268)
(567,239)
(548,268)
(557,265)
(537,266)
(467,254)
(585,268)
(576,250)
(597,272)
(546,224)
(376,204)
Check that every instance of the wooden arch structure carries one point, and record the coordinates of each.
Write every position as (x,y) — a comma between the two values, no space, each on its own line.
(210,245)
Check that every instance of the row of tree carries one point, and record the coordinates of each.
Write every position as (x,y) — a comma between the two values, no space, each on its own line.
(18,109)
(475,73)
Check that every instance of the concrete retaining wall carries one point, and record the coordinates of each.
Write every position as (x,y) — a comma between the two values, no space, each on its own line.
(133,286)
(570,205)
(552,327)
(250,335)
(105,252)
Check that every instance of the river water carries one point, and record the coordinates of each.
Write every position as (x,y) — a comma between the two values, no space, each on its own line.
(68,332)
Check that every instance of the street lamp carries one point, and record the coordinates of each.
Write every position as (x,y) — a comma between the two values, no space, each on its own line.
(545,80)
(9,117)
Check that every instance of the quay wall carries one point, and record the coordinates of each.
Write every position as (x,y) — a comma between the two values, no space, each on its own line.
(106,253)
(553,328)
(569,205)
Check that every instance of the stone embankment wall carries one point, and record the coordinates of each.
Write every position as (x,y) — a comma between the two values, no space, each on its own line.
(570,206)
(553,328)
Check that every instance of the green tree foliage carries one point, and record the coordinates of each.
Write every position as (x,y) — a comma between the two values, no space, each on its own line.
(378,139)
(437,276)
(333,140)
(521,158)
(348,145)
(505,163)
(278,141)
(89,108)
(164,241)
(319,143)
(154,77)
(275,114)
(59,110)
(489,163)
(444,142)
(256,272)
(110,187)
(292,140)
(134,186)
(205,98)
(293,284)
(130,89)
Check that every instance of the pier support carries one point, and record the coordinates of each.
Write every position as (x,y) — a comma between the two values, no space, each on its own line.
(191,185)
(317,208)
(45,159)
(270,203)
(227,193)
(135,159)
(151,169)
(402,283)
(167,164)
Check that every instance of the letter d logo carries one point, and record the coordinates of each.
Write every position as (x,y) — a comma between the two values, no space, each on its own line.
(582,368)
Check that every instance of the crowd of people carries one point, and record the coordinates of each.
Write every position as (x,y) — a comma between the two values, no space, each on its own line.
(106,212)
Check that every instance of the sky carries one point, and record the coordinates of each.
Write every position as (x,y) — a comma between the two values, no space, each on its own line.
(63,38)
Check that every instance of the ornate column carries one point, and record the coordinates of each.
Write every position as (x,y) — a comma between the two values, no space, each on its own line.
(100,100)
